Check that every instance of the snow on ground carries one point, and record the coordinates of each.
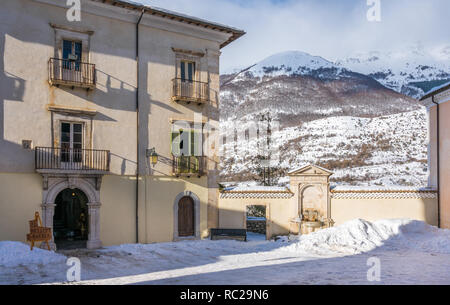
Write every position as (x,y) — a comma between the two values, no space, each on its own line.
(251,236)
(410,252)
(358,236)
(255,218)
(13,254)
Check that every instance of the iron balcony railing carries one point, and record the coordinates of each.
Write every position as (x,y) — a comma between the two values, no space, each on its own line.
(189,165)
(50,158)
(71,73)
(190,91)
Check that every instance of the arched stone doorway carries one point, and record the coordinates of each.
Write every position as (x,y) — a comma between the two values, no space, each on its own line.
(186,212)
(186,217)
(70,220)
(85,186)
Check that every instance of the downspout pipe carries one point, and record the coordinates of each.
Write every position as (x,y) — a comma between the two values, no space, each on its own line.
(137,125)
(438,161)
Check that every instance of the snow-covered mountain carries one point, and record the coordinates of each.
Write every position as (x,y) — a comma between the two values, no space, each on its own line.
(297,87)
(316,100)
(290,62)
(411,71)
(387,150)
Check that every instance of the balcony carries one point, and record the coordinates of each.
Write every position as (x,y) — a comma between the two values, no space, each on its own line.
(71,73)
(190,91)
(77,161)
(189,166)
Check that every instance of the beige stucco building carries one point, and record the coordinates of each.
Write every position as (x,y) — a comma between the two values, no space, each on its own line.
(86,106)
(437,102)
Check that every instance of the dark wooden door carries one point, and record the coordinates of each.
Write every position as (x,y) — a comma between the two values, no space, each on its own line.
(186,217)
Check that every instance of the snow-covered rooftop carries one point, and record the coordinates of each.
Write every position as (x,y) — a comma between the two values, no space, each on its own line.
(258,188)
(380,192)
(435,90)
(305,165)
(438,88)
(256,191)
(393,188)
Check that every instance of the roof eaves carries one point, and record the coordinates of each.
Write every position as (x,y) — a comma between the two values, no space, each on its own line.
(309,165)
(236,33)
(434,92)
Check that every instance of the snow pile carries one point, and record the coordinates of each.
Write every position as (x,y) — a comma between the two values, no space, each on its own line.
(420,236)
(358,236)
(13,253)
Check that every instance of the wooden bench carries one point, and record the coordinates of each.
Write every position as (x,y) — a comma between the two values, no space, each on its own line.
(233,234)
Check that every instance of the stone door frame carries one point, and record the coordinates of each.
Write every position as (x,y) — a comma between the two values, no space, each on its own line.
(196,200)
(90,187)
(268,219)
(310,176)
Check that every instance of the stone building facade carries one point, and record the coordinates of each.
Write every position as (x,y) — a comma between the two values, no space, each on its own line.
(437,102)
(89,110)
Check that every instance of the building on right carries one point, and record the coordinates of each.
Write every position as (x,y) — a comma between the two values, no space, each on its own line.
(437,101)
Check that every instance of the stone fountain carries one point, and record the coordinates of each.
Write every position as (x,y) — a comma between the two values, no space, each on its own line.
(311,188)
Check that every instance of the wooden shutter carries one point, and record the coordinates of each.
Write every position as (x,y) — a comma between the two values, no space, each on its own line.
(196,143)
(175,143)
(187,71)
(192,143)
(77,48)
(191,71)
(182,70)
(184,143)
(67,49)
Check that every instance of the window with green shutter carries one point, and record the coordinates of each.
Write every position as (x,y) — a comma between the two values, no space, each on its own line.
(187,71)
(175,144)
(186,147)
(196,144)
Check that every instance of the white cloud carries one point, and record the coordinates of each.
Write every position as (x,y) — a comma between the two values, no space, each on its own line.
(331,29)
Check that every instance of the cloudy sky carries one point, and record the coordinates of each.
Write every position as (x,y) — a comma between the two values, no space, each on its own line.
(329,28)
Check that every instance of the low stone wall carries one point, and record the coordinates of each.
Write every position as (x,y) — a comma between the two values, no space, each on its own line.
(375,204)
(279,209)
(346,203)
(256,226)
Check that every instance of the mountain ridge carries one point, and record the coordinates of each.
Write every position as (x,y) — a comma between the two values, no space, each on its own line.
(411,71)
(300,90)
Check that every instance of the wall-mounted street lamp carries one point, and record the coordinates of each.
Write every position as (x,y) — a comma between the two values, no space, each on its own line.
(151,153)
